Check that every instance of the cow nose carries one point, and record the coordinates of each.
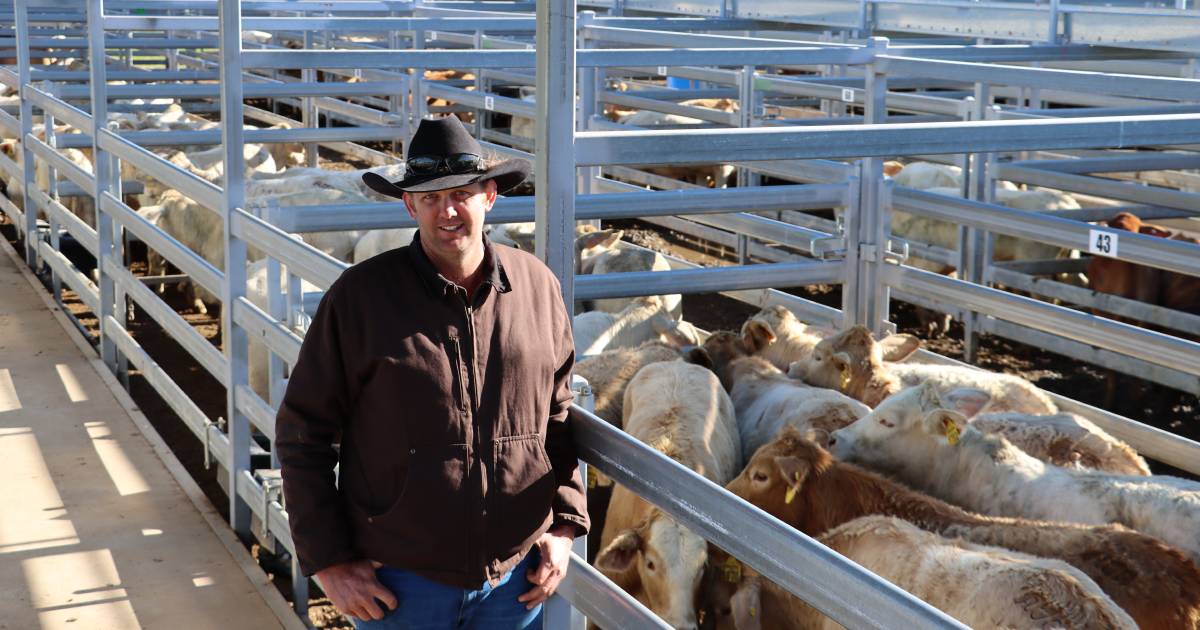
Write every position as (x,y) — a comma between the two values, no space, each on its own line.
(832,440)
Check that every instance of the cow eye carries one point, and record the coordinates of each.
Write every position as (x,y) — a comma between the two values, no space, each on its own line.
(760,476)
(885,422)
(649,565)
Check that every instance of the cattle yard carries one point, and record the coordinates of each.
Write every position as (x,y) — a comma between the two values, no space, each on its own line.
(839,159)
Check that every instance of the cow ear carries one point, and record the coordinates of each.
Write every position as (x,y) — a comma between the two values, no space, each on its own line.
(602,238)
(699,356)
(757,334)
(746,605)
(944,422)
(793,470)
(965,400)
(619,555)
(899,347)
(842,362)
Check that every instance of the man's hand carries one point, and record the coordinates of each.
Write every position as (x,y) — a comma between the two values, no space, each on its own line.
(353,589)
(555,549)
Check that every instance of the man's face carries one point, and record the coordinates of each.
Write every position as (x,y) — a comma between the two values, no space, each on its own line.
(451,220)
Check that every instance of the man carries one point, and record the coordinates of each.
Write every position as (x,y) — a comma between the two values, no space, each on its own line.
(443,370)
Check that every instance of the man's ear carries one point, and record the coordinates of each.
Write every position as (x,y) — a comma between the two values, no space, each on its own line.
(409,205)
(491,191)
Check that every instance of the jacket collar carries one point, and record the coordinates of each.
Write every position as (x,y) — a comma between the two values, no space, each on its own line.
(438,285)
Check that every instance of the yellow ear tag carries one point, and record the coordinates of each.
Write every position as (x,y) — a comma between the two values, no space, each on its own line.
(952,432)
(731,569)
(845,377)
(753,611)
(791,491)
(591,477)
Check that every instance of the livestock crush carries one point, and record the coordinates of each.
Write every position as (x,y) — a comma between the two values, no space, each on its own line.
(866,145)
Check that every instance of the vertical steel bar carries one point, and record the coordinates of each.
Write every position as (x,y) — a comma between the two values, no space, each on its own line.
(308,107)
(24,73)
(555,142)
(234,285)
(875,223)
(55,239)
(972,243)
(101,166)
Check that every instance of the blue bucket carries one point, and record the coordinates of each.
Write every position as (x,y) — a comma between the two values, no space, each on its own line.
(677,83)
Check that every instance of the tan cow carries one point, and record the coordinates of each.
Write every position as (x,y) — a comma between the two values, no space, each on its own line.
(680,410)
(1155,583)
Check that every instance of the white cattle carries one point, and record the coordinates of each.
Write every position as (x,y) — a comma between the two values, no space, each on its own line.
(766,400)
(854,363)
(645,319)
(981,586)
(921,436)
(609,373)
(256,292)
(680,410)
(1064,439)
(376,242)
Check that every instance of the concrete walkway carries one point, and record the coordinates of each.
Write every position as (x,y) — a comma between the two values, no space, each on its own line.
(95,532)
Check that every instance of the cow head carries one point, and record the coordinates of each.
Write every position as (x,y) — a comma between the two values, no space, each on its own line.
(852,362)
(909,426)
(776,475)
(667,562)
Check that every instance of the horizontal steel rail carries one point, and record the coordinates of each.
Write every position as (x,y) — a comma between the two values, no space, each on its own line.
(829,582)
(59,162)
(250,489)
(216,444)
(1166,88)
(250,90)
(604,206)
(261,414)
(196,189)
(1129,191)
(189,262)
(66,271)
(597,148)
(263,328)
(1139,248)
(321,23)
(1126,339)
(707,280)
(83,233)
(1109,303)
(63,112)
(525,58)
(301,259)
(1139,162)
(603,602)
(628,99)
(208,356)
(1090,354)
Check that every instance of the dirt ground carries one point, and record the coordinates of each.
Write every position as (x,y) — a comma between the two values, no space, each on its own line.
(1167,409)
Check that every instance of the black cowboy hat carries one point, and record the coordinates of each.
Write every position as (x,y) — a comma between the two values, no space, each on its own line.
(449,157)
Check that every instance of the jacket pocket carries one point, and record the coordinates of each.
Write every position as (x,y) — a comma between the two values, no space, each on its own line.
(523,490)
(427,525)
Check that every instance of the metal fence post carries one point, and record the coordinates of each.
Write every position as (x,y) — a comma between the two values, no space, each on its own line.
(873,224)
(102,166)
(24,72)
(554,142)
(973,254)
(234,285)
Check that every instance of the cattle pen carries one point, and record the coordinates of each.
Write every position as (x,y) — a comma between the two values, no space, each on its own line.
(789,109)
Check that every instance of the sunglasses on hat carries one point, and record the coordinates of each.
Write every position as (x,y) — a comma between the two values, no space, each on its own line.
(457,163)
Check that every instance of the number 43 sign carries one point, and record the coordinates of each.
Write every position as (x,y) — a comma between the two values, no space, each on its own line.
(1103,242)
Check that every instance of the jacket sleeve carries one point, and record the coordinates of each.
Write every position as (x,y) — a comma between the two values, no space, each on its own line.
(570,500)
(308,424)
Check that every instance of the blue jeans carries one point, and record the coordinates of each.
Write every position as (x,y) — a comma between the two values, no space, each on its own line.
(428,605)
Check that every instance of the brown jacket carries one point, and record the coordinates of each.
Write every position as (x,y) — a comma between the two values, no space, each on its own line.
(455,449)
